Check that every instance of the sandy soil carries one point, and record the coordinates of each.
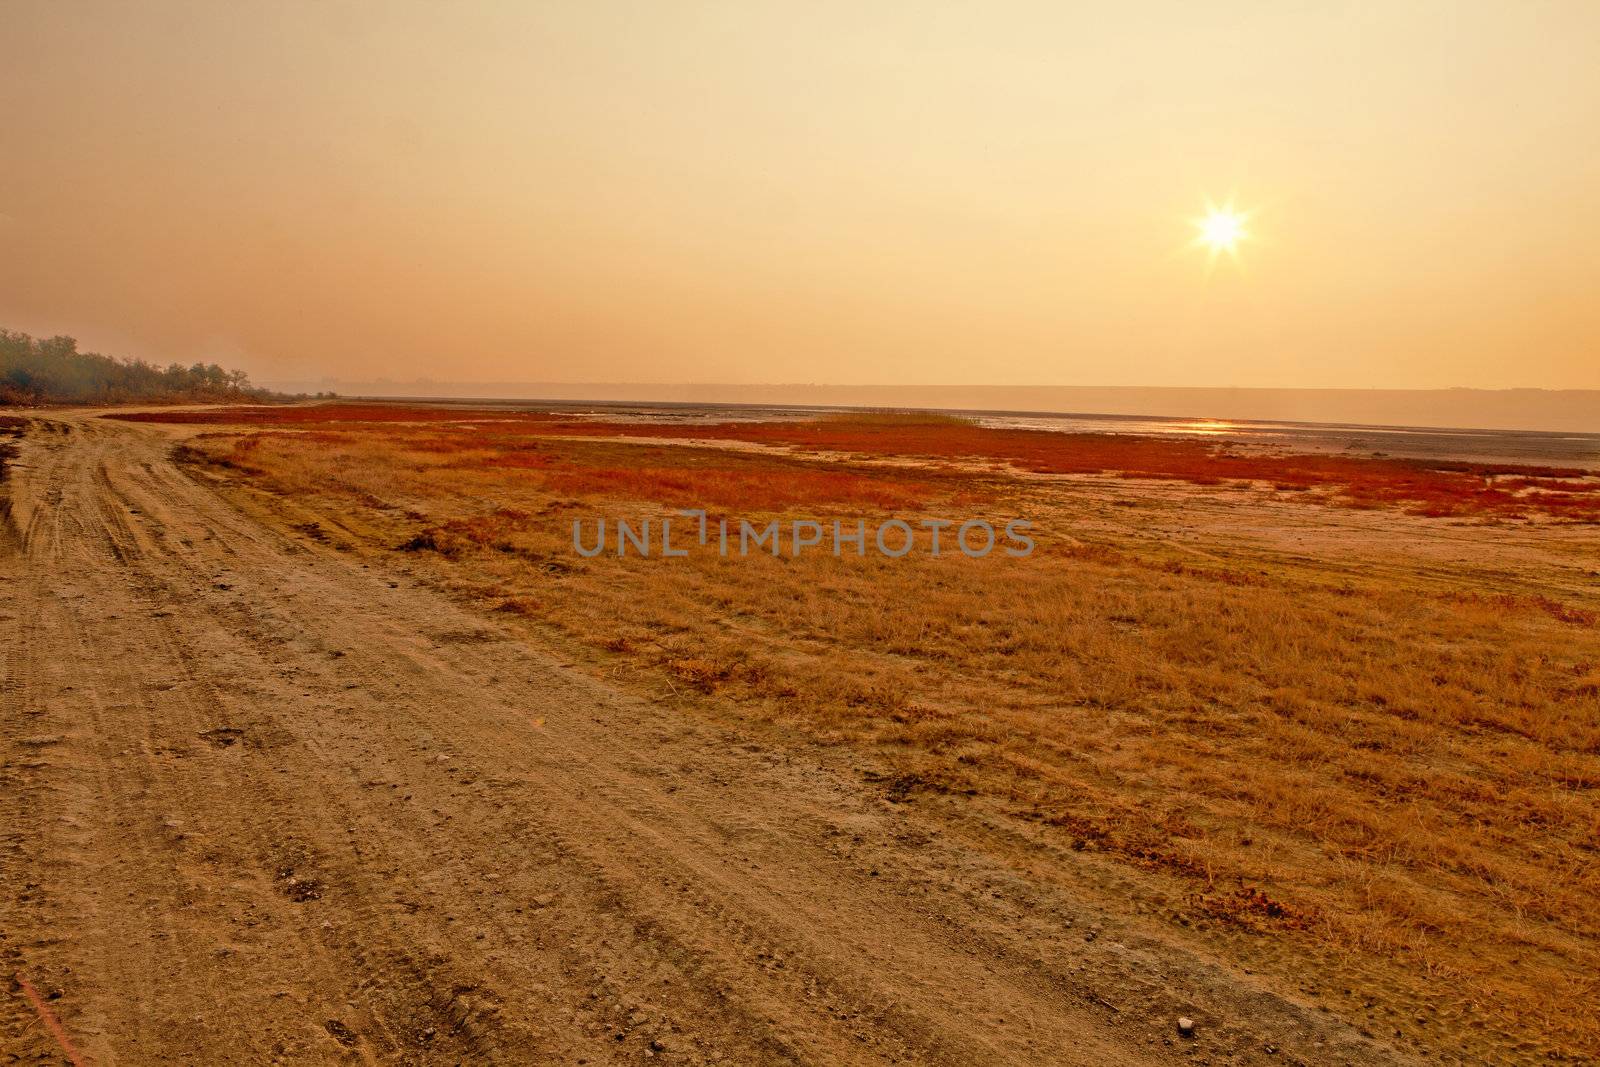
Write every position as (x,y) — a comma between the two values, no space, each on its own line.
(265,803)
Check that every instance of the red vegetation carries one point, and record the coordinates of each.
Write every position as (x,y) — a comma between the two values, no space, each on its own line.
(1423,487)
(1251,907)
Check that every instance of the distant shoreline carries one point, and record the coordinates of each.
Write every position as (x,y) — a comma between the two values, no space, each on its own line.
(1516,410)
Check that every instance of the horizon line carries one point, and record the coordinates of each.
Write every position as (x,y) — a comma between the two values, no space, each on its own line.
(629,384)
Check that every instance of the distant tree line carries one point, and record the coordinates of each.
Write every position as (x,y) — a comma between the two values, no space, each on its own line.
(53,371)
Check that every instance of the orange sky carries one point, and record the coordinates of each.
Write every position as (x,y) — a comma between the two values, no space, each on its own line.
(846,192)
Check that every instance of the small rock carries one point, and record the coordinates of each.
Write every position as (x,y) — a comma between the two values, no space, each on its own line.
(1185,1026)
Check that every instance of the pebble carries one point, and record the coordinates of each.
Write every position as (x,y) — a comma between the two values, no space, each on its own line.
(1185,1026)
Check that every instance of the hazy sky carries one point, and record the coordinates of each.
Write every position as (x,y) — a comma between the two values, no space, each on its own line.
(810,192)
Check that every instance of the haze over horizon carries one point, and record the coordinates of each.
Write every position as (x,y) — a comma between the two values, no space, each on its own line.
(910,194)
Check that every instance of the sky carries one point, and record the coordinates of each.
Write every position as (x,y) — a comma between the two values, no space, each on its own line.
(996,192)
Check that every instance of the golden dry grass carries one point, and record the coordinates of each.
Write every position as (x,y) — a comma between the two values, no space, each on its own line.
(1356,753)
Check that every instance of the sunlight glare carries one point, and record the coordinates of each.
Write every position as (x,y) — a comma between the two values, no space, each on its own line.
(1221,229)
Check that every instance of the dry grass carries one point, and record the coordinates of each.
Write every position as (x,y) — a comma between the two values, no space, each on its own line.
(1395,770)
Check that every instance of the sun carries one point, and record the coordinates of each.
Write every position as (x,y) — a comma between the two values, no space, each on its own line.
(1221,229)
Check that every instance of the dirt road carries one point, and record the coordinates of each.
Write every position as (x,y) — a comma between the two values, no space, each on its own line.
(265,804)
